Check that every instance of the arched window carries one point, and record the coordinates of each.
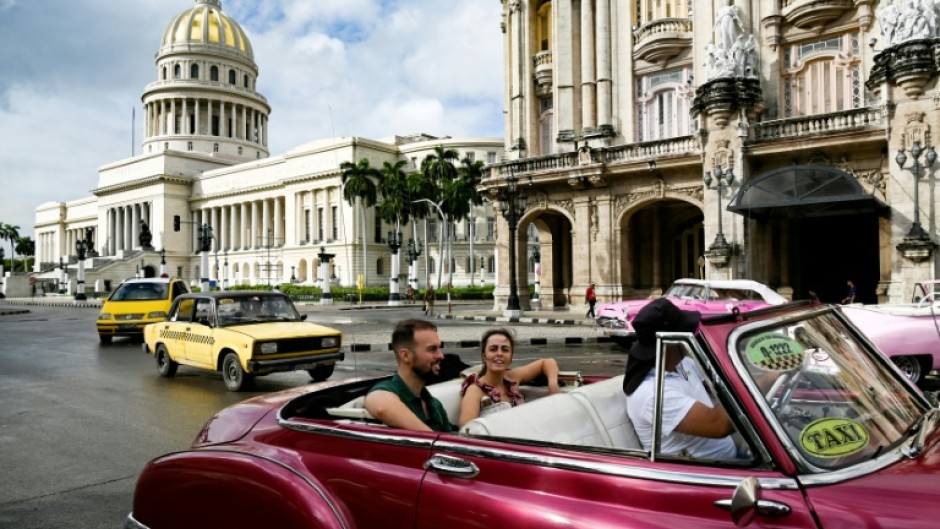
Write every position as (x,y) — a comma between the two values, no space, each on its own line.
(164,73)
(431,264)
(177,71)
(380,266)
(822,76)
(546,126)
(214,73)
(189,145)
(491,266)
(663,105)
(467,264)
(246,81)
(194,71)
(231,77)
(215,147)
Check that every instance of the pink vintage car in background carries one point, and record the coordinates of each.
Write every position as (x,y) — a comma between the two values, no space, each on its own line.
(908,333)
(829,435)
(705,296)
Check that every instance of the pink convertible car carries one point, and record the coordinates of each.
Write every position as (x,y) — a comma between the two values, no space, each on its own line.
(908,333)
(705,296)
(829,435)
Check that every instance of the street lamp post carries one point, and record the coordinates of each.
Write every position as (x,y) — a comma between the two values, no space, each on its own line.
(512,204)
(162,262)
(81,246)
(205,243)
(326,297)
(394,244)
(293,276)
(225,270)
(723,178)
(61,276)
(917,231)
(443,253)
(414,251)
(2,273)
(537,259)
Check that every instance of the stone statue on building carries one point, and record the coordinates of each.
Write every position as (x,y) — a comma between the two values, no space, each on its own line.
(734,51)
(728,25)
(917,19)
(145,236)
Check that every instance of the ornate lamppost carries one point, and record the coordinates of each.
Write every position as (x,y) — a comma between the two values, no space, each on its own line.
(61,276)
(512,204)
(482,268)
(205,243)
(225,270)
(326,297)
(2,273)
(162,262)
(81,246)
(537,259)
(394,244)
(917,245)
(293,276)
(414,251)
(720,251)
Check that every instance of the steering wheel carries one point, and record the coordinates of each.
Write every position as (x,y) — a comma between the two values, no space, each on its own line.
(927,300)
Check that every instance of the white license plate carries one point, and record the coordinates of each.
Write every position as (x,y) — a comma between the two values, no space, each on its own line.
(304,367)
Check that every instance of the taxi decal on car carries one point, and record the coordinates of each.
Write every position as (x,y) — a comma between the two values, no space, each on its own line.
(833,437)
(167,334)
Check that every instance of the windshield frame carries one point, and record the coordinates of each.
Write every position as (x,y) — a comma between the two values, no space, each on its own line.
(815,473)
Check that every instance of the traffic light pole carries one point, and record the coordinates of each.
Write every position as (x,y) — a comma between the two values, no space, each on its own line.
(205,244)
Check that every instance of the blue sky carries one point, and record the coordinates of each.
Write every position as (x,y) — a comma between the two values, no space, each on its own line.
(71,71)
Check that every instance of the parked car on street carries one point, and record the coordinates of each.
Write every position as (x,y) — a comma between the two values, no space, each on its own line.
(135,303)
(242,334)
(909,333)
(702,295)
(829,435)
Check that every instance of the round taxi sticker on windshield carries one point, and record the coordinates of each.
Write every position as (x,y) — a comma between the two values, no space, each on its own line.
(774,351)
(833,437)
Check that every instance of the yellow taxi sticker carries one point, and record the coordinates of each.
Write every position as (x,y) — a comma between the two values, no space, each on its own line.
(775,352)
(833,437)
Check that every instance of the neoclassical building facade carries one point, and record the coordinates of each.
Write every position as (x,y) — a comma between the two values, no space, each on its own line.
(724,139)
(205,158)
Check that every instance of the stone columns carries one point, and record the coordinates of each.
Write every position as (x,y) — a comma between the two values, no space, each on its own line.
(588,109)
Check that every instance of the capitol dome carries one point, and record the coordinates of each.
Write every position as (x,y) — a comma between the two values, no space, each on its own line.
(206,24)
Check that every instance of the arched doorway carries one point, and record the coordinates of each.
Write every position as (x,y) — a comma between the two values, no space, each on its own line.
(811,228)
(661,241)
(555,256)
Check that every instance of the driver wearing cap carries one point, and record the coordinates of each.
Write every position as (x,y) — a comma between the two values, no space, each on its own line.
(691,424)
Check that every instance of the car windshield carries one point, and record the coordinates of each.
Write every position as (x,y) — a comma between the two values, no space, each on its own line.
(239,310)
(680,290)
(140,292)
(835,402)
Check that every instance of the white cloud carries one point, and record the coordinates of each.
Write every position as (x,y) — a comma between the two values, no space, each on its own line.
(370,68)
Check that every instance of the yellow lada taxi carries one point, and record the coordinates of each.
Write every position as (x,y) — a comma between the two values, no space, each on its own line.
(135,303)
(242,334)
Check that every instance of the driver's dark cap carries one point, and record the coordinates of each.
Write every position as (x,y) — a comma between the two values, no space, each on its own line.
(660,315)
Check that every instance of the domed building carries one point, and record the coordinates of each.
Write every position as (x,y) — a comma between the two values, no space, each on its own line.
(205,159)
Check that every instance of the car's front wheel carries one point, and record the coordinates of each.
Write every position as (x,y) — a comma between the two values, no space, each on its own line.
(321,372)
(236,379)
(911,366)
(104,338)
(165,365)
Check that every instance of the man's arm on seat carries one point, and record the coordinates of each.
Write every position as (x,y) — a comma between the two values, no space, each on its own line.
(704,421)
(388,408)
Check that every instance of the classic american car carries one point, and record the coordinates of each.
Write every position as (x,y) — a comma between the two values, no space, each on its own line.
(134,304)
(242,334)
(908,333)
(830,436)
(705,296)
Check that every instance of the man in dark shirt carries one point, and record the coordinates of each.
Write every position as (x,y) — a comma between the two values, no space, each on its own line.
(404,401)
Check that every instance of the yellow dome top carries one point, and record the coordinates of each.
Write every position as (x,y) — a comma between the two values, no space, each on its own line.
(206,24)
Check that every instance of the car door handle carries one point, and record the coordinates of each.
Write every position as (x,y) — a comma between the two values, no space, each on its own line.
(452,466)
(766,508)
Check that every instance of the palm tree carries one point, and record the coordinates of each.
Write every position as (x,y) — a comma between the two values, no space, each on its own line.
(394,208)
(26,247)
(10,233)
(471,174)
(438,168)
(359,186)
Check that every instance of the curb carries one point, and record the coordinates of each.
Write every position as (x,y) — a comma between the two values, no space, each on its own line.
(475,344)
(545,321)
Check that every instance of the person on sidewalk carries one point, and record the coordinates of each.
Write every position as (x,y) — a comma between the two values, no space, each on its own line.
(850,297)
(404,400)
(429,297)
(591,299)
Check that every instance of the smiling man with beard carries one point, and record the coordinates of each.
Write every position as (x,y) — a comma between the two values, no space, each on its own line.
(404,401)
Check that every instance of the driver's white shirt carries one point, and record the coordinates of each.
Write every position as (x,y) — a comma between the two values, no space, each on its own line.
(682,390)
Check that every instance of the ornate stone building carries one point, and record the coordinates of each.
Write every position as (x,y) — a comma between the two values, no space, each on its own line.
(205,158)
(724,138)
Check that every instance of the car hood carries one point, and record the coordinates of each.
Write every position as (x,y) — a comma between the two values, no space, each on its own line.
(707,308)
(282,329)
(903,495)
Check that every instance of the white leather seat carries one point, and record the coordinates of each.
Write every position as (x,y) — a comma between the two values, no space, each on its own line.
(607,402)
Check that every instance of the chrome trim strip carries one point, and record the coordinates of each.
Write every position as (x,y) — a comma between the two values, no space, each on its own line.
(132,523)
(320,358)
(401,439)
(327,499)
(624,471)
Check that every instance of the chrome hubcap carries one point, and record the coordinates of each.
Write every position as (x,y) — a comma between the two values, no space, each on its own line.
(909,366)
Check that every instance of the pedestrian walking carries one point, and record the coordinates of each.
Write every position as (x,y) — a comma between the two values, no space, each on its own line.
(591,299)
(429,297)
(850,297)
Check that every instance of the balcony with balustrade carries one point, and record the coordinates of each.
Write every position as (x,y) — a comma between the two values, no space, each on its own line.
(543,72)
(662,39)
(814,14)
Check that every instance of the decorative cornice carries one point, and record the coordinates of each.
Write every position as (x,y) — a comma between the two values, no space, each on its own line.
(141,182)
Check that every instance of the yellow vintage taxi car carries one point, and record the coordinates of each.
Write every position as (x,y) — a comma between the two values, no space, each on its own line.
(242,334)
(135,303)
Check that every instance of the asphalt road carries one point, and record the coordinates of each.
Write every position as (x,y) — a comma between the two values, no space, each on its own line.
(79,420)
